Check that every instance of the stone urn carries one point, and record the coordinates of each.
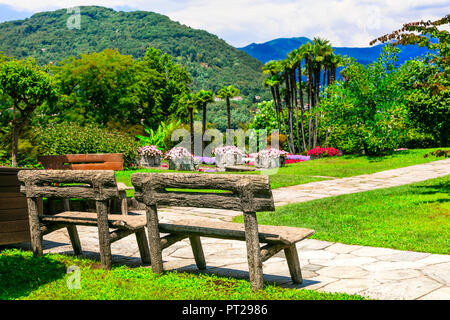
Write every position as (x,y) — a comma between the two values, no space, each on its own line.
(151,161)
(228,159)
(270,163)
(183,164)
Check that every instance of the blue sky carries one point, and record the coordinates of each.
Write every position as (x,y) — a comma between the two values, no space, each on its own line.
(352,23)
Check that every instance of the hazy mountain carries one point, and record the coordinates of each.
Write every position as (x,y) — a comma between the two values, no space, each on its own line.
(278,49)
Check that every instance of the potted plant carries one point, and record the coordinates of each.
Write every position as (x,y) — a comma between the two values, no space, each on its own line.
(181,159)
(271,158)
(150,156)
(228,156)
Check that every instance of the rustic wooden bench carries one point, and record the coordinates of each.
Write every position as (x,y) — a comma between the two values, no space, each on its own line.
(247,193)
(100,186)
(108,161)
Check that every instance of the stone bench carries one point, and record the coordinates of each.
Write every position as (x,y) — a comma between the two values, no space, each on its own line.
(246,193)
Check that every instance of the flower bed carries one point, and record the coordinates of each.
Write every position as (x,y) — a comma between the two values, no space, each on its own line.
(319,152)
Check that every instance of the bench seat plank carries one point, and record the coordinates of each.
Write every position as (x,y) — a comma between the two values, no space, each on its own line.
(236,231)
(90,219)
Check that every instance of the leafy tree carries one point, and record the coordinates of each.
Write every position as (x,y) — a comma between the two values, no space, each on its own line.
(227,93)
(160,84)
(96,87)
(28,86)
(368,110)
(105,86)
(428,81)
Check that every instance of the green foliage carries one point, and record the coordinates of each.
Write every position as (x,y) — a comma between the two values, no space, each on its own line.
(428,101)
(367,111)
(265,117)
(24,86)
(102,87)
(162,137)
(211,61)
(71,138)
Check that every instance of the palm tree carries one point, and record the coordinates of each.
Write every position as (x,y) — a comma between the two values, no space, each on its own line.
(273,69)
(227,93)
(203,97)
(297,56)
(321,49)
(189,101)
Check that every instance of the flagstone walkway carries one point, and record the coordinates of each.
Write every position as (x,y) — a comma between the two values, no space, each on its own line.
(376,273)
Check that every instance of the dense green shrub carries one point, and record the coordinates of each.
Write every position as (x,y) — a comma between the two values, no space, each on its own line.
(71,138)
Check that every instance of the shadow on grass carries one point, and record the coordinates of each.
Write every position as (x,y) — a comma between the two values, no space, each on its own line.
(21,273)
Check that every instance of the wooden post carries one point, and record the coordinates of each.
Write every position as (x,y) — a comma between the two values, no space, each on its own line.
(253,251)
(35,228)
(103,234)
(293,263)
(123,202)
(154,239)
(73,232)
(197,249)
(141,239)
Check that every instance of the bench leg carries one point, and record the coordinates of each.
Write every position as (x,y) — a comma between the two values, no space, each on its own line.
(103,234)
(75,240)
(144,251)
(253,251)
(154,239)
(294,264)
(123,202)
(197,249)
(35,227)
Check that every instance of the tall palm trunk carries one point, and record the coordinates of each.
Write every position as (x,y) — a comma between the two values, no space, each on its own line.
(203,127)
(299,71)
(289,110)
(191,122)
(229,113)
(310,100)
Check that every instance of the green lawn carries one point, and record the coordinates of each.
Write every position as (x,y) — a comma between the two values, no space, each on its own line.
(24,277)
(412,217)
(322,169)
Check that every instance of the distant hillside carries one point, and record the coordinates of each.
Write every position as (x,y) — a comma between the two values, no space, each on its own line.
(278,49)
(211,61)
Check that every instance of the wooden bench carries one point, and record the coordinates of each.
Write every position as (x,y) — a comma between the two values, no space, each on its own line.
(100,186)
(109,161)
(247,193)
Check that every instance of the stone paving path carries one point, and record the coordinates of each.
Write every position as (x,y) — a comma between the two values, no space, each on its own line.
(376,273)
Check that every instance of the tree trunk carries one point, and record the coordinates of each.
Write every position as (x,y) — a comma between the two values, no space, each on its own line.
(191,120)
(301,106)
(15,138)
(229,113)
(289,110)
(203,127)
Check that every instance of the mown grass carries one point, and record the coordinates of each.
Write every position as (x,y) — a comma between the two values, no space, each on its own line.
(327,168)
(23,276)
(413,217)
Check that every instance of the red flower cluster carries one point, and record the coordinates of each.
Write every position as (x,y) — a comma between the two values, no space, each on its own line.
(324,152)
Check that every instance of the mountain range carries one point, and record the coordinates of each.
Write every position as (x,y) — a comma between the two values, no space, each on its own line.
(211,62)
(277,49)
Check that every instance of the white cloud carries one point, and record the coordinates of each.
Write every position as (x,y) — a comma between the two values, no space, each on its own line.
(240,22)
